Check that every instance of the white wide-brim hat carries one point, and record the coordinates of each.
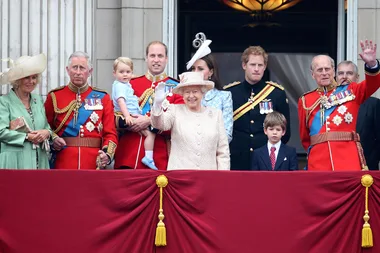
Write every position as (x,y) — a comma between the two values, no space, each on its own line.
(202,51)
(188,79)
(23,67)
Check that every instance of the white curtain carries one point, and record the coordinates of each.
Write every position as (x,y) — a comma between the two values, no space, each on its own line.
(293,72)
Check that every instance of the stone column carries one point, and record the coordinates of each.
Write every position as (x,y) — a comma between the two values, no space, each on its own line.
(368,28)
(141,23)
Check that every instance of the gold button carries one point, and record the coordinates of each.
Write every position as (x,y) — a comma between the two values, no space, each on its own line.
(81,135)
(251,149)
(252,122)
(251,135)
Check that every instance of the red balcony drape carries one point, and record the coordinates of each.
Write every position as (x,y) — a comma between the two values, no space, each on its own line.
(205,211)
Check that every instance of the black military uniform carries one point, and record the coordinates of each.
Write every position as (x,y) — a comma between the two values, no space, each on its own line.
(368,127)
(248,131)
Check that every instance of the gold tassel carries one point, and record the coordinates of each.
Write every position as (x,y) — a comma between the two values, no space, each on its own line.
(161,182)
(367,238)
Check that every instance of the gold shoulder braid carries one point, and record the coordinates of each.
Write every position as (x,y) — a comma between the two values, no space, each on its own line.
(275,85)
(97,89)
(143,99)
(68,110)
(231,85)
(310,109)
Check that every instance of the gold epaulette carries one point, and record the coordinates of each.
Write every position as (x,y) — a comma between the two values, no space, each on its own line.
(97,89)
(58,88)
(231,85)
(310,91)
(275,85)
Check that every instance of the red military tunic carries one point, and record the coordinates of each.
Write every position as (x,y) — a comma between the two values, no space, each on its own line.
(94,128)
(317,123)
(131,144)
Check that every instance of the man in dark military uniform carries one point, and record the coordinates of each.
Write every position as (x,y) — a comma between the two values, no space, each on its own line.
(368,121)
(253,99)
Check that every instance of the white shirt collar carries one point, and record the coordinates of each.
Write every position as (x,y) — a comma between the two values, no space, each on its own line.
(277,146)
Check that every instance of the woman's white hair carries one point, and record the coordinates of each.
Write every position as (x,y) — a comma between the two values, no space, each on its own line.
(202,87)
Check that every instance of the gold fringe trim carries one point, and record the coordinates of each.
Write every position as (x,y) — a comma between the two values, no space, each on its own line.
(161,182)
(367,238)
(310,109)
(69,109)
(145,96)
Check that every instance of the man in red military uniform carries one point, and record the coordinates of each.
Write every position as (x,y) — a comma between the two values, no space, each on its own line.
(82,119)
(131,143)
(328,114)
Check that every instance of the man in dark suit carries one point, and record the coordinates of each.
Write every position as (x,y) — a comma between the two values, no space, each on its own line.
(368,123)
(252,100)
(275,155)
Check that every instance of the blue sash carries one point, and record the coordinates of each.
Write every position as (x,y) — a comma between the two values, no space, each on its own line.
(72,130)
(170,84)
(316,125)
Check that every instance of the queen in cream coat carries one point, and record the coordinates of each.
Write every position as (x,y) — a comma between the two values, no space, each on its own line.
(198,137)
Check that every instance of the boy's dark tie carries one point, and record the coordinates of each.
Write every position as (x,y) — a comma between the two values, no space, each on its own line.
(272,157)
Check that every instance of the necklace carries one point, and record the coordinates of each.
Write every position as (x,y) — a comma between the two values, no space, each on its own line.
(25,102)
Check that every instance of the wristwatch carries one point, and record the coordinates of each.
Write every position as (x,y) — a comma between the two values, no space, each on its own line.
(26,137)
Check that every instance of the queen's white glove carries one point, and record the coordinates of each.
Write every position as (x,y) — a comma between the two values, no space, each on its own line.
(159,96)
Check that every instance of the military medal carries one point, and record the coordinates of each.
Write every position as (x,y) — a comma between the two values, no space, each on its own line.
(348,118)
(337,120)
(266,106)
(169,89)
(94,117)
(93,104)
(342,109)
(100,127)
(89,126)
(251,98)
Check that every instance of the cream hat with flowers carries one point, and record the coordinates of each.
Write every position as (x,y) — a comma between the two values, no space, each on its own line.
(23,67)
(188,79)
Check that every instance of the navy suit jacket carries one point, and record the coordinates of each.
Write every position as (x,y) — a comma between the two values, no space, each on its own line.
(286,159)
(368,127)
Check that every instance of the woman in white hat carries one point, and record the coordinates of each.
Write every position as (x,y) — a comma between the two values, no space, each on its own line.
(202,61)
(24,131)
(198,137)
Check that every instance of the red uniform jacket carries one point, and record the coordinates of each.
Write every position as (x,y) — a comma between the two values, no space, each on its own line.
(334,155)
(95,119)
(131,144)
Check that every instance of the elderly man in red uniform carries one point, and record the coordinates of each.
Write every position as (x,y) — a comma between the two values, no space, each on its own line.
(131,150)
(82,119)
(328,114)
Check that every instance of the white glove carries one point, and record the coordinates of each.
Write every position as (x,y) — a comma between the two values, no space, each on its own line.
(159,96)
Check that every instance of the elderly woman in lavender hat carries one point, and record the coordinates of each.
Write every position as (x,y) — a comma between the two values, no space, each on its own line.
(199,139)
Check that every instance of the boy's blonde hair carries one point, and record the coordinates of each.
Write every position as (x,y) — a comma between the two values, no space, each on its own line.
(127,61)
(275,119)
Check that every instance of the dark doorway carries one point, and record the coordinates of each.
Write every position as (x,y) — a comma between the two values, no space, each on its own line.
(308,27)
